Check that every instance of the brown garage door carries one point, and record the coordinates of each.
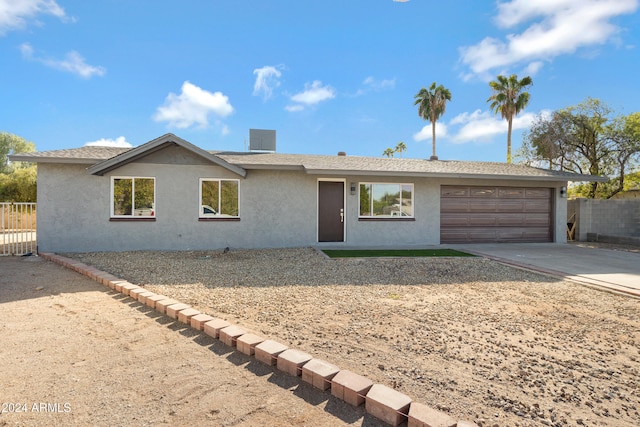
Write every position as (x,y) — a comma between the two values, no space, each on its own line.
(495,214)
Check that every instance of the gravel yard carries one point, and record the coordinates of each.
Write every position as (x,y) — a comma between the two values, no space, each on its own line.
(480,340)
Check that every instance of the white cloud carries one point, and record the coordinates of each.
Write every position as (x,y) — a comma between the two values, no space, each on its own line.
(478,126)
(313,93)
(294,108)
(14,14)
(482,126)
(266,80)
(105,142)
(425,132)
(193,106)
(73,62)
(371,84)
(379,84)
(555,27)
(532,68)
(27,50)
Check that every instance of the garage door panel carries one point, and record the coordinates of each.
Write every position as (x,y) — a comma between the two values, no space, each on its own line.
(510,235)
(511,206)
(539,235)
(455,220)
(538,193)
(538,205)
(482,192)
(483,205)
(518,193)
(495,214)
(454,191)
(467,220)
(524,235)
(515,220)
(482,235)
(454,205)
(537,220)
(483,220)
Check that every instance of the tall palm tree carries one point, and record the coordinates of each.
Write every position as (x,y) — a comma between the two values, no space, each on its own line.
(432,104)
(401,148)
(509,99)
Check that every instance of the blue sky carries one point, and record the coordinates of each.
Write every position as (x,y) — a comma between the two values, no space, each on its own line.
(328,76)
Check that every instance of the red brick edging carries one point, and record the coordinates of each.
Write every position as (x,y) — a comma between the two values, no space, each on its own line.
(380,401)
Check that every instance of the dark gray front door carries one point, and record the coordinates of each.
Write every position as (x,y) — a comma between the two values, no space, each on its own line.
(330,211)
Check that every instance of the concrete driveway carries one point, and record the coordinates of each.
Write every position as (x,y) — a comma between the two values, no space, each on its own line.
(613,269)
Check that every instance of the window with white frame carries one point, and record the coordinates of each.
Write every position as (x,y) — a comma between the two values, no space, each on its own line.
(219,198)
(386,200)
(133,197)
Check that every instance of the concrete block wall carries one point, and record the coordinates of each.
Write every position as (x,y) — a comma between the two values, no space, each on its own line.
(611,217)
(380,401)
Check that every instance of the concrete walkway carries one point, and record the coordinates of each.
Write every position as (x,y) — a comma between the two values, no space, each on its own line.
(612,269)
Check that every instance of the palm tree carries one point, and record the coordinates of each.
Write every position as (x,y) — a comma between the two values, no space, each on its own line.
(401,148)
(388,152)
(432,104)
(509,100)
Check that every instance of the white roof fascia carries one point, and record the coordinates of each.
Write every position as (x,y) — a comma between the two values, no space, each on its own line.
(32,159)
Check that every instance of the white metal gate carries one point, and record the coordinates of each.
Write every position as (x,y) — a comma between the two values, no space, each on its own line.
(18,228)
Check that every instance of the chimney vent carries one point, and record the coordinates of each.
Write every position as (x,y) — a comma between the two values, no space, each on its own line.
(342,153)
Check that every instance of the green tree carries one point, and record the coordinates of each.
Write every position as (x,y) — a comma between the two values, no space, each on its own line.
(432,104)
(12,144)
(509,99)
(19,186)
(401,148)
(588,138)
(632,181)
(17,179)
(389,152)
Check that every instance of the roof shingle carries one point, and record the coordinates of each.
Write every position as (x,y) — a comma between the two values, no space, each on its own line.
(325,164)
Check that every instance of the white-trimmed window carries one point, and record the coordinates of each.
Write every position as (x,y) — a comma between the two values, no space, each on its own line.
(219,198)
(386,200)
(133,197)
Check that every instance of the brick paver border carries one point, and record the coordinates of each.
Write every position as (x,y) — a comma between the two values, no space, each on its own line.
(380,401)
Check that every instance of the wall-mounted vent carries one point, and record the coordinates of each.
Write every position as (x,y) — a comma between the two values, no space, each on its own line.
(262,140)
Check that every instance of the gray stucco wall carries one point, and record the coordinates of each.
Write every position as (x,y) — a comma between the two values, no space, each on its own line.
(277,209)
(424,230)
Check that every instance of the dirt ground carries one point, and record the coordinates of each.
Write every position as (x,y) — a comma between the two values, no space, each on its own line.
(484,342)
(73,353)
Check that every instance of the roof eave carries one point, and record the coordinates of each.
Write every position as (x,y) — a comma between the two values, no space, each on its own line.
(33,159)
(578,178)
(269,167)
